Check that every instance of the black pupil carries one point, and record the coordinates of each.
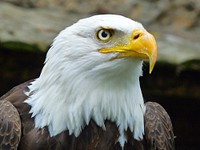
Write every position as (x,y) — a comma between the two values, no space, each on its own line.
(104,34)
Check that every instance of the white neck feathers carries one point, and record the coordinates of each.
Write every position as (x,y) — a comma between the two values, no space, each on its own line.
(64,100)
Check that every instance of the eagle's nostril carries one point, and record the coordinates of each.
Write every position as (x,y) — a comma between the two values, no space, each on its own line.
(136,36)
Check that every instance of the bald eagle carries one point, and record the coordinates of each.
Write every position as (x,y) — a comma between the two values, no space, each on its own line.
(88,94)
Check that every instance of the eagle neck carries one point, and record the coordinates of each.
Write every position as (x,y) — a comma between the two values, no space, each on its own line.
(70,104)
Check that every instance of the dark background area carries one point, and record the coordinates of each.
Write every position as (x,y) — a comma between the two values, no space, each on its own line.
(175,87)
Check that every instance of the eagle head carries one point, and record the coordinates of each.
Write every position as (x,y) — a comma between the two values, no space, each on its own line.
(92,72)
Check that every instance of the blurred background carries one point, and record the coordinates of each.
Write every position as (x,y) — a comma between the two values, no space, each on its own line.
(27,28)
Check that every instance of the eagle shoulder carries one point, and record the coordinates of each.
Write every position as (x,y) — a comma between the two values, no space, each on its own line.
(10,126)
(158,128)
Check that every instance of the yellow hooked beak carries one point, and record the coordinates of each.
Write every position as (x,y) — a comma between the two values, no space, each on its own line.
(142,45)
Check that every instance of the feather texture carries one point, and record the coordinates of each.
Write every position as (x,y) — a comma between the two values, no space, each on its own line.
(158,128)
(10,126)
(92,136)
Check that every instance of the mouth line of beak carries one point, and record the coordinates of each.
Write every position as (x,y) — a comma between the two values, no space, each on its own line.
(123,54)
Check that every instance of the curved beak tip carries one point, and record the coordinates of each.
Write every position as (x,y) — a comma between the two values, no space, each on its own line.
(152,52)
(151,66)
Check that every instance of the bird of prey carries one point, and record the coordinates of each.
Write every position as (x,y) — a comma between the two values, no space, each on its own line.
(88,94)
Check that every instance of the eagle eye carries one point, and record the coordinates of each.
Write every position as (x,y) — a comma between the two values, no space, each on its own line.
(104,35)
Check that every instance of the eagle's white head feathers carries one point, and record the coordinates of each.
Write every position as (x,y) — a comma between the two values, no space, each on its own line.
(92,72)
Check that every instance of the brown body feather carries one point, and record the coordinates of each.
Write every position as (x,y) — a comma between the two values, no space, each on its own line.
(21,134)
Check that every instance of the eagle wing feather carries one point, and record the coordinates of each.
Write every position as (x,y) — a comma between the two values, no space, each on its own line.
(10,126)
(158,128)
